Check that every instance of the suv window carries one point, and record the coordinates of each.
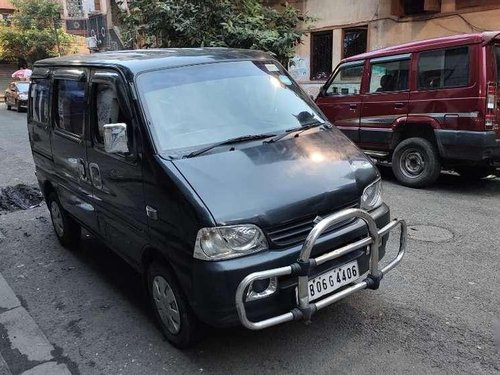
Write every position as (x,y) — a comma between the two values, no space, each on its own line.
(347,81)
(389,76)
(40,101)
(497,54)
(71,106)
(443,68)
(108,110)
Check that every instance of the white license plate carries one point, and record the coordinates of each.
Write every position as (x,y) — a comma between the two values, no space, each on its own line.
(332,280)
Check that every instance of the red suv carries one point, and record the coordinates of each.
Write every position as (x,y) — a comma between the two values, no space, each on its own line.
(423,106)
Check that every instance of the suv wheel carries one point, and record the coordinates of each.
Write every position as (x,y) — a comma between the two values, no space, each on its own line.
(68,231)
(415,163)
(475,172)
(171,309)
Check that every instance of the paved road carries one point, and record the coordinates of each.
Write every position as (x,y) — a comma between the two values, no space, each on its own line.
(16,162)
(436,314)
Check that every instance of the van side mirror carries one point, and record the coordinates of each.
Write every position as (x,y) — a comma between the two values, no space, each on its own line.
(115,138)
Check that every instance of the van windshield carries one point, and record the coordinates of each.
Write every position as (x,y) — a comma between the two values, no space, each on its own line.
(199,105)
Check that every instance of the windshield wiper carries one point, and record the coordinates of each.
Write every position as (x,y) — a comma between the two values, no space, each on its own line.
(244,138)
(299,129)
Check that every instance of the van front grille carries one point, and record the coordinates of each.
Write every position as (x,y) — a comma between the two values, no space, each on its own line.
(296,231)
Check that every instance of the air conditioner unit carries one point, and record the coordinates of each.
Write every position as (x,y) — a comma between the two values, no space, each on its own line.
(91,42)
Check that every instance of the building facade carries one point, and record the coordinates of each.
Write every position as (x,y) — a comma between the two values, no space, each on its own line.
(342,29)
(6,10)
(91,19)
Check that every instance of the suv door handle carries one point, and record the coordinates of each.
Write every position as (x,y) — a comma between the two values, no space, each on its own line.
(95,175)
(399,105)
(353,106)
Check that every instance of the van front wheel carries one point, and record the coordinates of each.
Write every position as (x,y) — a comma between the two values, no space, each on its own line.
(68,231)
(415,163)
(171,309)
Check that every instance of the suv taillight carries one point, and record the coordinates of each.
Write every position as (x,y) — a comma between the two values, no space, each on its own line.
(491,105)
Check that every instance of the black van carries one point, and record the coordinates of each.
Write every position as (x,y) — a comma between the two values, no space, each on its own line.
(213,174)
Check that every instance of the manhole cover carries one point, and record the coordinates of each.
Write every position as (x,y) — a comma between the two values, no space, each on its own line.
(429,233)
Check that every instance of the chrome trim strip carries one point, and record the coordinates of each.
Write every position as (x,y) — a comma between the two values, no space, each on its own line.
(367,128)
(443,114)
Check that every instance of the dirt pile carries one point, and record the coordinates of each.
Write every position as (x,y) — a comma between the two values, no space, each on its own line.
(19,197)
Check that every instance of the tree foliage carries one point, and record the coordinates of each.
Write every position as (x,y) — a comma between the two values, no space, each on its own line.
(214,23)
(34,32)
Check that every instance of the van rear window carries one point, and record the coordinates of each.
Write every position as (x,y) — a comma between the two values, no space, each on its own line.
(443,68)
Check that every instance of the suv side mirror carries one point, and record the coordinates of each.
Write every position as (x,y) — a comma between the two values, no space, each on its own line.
(322,91)
(115,138)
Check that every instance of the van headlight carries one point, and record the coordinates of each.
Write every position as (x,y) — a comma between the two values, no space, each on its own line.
(372,196)
(217,243)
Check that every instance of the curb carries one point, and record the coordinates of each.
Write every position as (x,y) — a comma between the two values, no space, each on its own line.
(24,349)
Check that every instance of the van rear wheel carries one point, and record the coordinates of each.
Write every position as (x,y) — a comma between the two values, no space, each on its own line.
(475,172)
(68,231)
(177,321)
(415,163)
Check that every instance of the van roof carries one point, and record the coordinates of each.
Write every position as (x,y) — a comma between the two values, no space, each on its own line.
(447,41)
(147,59)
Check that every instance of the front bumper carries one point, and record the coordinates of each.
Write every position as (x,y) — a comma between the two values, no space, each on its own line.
(305,265)
(22,104)
(214,284)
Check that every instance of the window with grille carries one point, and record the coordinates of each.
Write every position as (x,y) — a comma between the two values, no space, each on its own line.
(354,41)
(75,8)
(321,55)
(402,8)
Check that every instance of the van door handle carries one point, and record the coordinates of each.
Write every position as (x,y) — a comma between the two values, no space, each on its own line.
(95,175)
(82,170)
(353,106)
(399,105)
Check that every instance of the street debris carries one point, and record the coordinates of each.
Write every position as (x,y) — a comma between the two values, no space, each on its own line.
(19,197)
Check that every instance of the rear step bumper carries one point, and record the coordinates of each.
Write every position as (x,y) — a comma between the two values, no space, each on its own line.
(468,145)
(304,265)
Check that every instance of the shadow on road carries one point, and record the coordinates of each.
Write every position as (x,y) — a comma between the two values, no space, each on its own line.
(453,183)
(120,276)
(113,270)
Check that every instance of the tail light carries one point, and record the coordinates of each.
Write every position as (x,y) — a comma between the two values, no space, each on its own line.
(491,105)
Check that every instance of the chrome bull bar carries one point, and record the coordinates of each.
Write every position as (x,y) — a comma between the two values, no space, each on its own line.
(304,265)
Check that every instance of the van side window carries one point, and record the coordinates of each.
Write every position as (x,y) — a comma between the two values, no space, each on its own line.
(71,106)
(107,110)
(40,101)
(443,68)
(347,81)
(389,76)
